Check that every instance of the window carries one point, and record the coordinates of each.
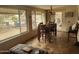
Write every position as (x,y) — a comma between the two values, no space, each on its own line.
(43,18)
(38,17)
(12,22)
(33,20)
(23,20)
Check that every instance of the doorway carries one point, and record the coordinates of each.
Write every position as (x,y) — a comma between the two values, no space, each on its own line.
(58,20)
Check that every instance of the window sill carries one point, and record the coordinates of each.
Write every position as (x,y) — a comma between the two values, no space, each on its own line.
(13,37)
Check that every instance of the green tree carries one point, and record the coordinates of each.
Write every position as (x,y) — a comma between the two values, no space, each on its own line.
(14,18)
(1,19)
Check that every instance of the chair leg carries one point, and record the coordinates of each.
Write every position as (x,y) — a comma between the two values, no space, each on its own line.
(45,37)
(42,36)
(55,33)
(39,37)
(68,36)
(76,37)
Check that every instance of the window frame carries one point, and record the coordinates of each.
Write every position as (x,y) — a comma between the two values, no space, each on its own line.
(21,33)
(20,21)
(36,19)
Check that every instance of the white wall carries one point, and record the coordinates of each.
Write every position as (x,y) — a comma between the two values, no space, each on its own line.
(68,21)
(78,30)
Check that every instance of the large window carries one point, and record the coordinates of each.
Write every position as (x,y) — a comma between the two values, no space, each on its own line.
(37,17)
(12,22)
(33,20)
(23,21)
(43,18)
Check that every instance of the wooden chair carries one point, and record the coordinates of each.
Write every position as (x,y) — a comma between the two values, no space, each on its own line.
(53,28)
(46,31)
(75,31)
(41,31)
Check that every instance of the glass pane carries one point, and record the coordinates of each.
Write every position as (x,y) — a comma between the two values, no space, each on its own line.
(9,23)
(43,18)
(38,18)
(33,21)
(23,20)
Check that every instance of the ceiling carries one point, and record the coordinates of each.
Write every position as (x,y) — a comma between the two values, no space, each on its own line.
(47,6)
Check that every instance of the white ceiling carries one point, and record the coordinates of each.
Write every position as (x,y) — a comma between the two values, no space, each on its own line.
(48,6)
